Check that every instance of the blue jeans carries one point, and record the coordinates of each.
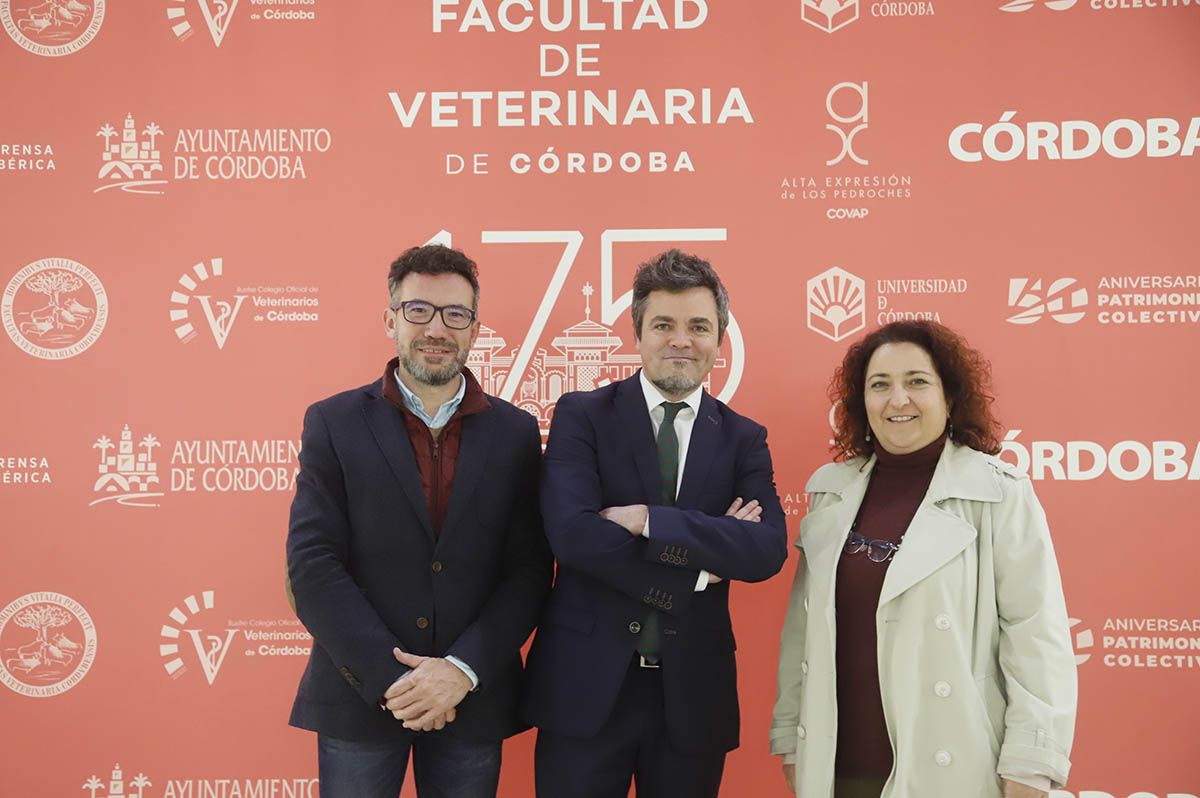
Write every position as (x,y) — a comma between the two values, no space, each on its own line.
(444,767)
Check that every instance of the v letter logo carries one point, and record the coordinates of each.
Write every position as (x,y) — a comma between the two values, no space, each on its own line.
(217,14)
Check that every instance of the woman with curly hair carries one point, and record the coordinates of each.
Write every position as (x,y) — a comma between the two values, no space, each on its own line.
(926,651)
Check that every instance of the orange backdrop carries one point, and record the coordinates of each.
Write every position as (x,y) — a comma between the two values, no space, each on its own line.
(202,198)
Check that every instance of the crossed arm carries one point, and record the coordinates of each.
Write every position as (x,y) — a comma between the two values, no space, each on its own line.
(606,543)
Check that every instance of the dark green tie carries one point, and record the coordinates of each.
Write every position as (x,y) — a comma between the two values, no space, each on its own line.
(668,476)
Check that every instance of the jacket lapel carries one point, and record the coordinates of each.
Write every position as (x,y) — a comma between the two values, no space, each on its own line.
(473,449)
(634,419)
(387,426)
(702,448)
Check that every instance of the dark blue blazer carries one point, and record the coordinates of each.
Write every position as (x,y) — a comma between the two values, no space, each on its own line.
(602,453)
(369,573)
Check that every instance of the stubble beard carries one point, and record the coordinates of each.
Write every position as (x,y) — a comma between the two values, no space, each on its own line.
(437,375)
(675,385)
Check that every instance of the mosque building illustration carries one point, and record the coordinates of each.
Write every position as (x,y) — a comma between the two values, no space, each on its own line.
(116,785)
(586,356)
(126,470)
(130,158)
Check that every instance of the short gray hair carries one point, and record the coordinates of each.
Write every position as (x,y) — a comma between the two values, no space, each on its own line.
(677,271)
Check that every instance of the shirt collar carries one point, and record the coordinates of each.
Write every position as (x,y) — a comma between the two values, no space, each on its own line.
(654,398)
(414,403)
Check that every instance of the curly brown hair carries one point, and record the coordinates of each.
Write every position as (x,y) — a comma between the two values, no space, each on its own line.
(966,377)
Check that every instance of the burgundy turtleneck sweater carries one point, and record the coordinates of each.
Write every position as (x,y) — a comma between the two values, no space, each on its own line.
(898,484)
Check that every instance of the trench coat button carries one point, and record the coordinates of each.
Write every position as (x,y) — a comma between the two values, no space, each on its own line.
(943,759)
(804,667)
(635,627)
(942,621)
(437,566)
(422,622)
(942,689)
(801,733)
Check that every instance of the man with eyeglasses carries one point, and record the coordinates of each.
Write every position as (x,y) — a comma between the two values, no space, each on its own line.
(416,554)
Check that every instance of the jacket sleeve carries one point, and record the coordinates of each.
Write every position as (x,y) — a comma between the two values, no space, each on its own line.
(328,600)
(741,550)
(511,612)
(1036,657)
(581,539)
(785,719)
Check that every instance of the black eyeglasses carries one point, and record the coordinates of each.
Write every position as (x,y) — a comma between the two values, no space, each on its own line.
(877,550)
(418,311)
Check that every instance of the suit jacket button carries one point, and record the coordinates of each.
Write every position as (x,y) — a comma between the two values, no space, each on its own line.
(664,557)
(422,622)
(635,627)
(436,567)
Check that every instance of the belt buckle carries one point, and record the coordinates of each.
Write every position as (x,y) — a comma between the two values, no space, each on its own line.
(642,663)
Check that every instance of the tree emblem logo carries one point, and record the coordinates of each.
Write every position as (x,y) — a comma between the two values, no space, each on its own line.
(54,308)
(47,644)
(52,27)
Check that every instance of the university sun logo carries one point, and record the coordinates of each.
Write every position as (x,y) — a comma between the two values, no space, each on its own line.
(836,304)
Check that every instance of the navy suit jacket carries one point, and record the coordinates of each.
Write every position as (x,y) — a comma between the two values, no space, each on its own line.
(602,453)
(369,573)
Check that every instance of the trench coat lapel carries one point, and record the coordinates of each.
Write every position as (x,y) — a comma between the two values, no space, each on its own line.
(387,426)
(936,536)
(823,531)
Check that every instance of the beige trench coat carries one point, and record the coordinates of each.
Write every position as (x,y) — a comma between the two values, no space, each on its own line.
(976,667)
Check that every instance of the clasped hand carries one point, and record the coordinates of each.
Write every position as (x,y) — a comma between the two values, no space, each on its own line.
(425,698)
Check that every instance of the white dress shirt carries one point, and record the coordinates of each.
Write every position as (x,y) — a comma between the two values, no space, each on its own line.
(685,419)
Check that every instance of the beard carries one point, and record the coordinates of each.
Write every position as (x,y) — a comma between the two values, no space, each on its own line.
(434,375)
(675,385)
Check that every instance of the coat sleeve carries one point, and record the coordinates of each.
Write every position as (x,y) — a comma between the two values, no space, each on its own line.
(785,719)
(511,612)
(1035,651)
(745,551)
(328,601)
(580,538)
